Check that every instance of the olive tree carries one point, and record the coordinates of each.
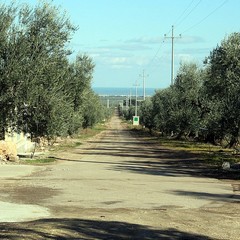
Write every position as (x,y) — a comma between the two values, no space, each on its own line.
(222,87)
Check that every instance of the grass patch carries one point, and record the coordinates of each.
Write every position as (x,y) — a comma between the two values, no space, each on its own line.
(90,132)
(192,146)
(65,144)
(217,158)
(77,144)
(38,161)
(78,139)
(212,154)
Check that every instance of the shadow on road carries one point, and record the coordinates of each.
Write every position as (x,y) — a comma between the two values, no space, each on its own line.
(73,229)
(205,195)
(135,154)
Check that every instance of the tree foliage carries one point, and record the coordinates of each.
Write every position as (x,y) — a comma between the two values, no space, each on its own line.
(42,91)
(202,102)
(222,87)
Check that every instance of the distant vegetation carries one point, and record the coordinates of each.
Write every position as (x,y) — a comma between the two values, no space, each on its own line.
(203,103)
(42,92)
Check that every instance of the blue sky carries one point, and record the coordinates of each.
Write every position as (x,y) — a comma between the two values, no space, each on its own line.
(125,37)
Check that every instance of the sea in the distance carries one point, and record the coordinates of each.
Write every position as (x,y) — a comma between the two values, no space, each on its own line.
(104,91)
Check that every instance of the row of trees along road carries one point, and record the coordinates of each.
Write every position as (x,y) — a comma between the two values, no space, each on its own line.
(41,91)
(204,102)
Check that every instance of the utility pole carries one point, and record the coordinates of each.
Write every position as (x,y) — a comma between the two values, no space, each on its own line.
(144,89)
(172,62)
(136,106)
(130,98)
(127,102)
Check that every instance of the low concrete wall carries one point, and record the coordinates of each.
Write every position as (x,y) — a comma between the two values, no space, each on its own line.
(22,141)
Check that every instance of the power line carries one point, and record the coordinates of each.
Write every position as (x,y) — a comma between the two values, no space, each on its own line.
(193,26)
(154,57)
(157,52)
(179,21)
(182,14)
(151,61)
(194,7)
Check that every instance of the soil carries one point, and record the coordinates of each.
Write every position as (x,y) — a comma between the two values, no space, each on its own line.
(120,185)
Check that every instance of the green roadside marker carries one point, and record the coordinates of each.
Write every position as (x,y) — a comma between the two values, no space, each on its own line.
(136,120)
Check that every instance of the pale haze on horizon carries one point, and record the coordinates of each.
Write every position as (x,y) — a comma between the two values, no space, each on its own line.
(125,37)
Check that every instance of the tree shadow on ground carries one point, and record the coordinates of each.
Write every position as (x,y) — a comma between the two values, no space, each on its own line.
(73,229)
(147,156)
(206,195)
(162,162)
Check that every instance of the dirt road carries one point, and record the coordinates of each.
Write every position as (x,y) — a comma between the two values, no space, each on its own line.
(117,186)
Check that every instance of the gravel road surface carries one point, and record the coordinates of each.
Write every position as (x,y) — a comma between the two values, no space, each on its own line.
(117,186)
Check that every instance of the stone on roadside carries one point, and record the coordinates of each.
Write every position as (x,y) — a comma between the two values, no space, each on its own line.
(226,166)
(231,167)
(8,151)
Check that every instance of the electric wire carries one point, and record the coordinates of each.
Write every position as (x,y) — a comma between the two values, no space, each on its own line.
(178,22)
(203,19)
(192,9)
(182,14)
(153,58)
(178,19)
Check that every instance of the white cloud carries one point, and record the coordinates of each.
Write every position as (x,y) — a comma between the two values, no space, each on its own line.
(118,60)
(145,40)
(184,39)
(190,39)
(121,66)
(184,57)
(122,61)
(127,47)
(113,62)
(132,53)
(195,51)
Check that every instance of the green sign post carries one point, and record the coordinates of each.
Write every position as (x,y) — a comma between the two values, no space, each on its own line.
(136,120)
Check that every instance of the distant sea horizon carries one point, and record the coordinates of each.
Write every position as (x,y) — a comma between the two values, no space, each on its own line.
(118,91)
